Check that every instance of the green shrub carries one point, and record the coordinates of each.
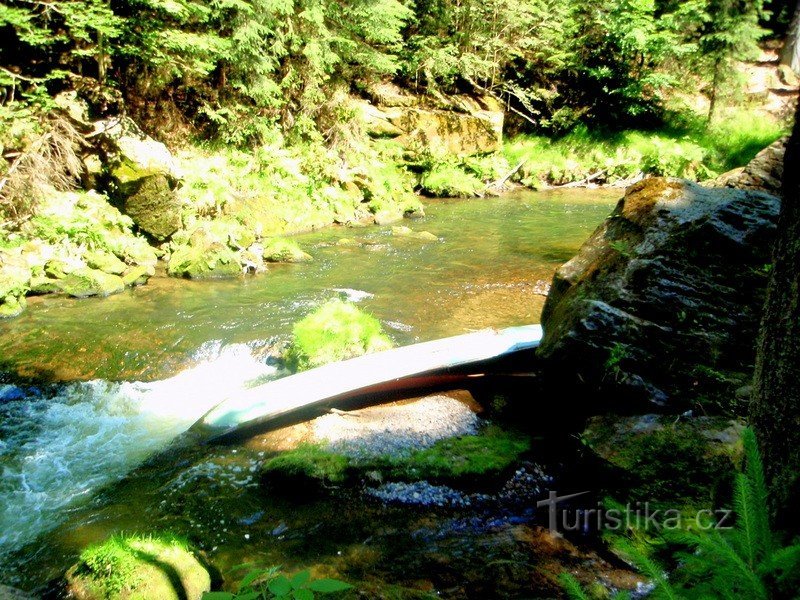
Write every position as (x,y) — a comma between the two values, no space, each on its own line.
(335,331)
(450,181)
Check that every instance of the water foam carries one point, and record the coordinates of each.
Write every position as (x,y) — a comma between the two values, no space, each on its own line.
(58,447)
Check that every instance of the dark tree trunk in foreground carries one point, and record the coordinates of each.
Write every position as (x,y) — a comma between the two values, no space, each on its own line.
(775,410)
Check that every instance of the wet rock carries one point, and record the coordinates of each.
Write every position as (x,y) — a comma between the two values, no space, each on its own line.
(197,262)
(143,177)
(764,172)
(662,303)
(137,275)
(138,567)
(10,593)
(407,232)
(85,282)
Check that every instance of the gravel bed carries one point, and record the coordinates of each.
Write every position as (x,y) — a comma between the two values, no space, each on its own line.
(396,429)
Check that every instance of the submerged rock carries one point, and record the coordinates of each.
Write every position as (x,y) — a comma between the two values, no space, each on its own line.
(662,303)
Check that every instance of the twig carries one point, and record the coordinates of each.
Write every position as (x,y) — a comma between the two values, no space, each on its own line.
(500,182)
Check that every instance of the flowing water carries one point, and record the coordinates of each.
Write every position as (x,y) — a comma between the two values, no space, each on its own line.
(92,389)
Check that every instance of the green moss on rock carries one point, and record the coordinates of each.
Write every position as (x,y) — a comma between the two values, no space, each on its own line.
(308,464)
(105,261)
(86,281)
(138,568)
(198,262)
(335,331)
(286,251)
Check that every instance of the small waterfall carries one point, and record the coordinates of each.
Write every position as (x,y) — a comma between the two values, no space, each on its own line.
(59,444)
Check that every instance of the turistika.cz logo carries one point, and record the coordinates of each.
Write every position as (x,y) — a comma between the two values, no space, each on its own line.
(637,515)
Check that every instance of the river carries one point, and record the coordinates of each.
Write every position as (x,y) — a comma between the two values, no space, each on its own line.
(94,387)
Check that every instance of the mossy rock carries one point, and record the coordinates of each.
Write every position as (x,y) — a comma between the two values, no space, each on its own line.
(308,467)
(86,282)
(44,285)
(138,568)
(105,261)
(137,275)
(153,206)
(668,460)
(198,262)
(469,461)
(407,232)
(12,306)
(448,181)
(286,251)
(335,331)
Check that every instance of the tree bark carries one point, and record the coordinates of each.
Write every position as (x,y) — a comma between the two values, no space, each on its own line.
(790,53)
(775,410)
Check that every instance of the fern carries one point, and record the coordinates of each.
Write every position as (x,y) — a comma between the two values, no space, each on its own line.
(743,562)
(572,587)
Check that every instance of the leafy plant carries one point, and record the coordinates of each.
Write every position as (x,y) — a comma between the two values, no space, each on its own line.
(271,584)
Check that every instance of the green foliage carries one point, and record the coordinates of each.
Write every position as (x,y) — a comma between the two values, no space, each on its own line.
(450,181)
(687,150)
(271,584)
(335,331)
(745,561)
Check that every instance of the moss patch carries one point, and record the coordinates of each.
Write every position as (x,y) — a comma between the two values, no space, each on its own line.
(138,567)
(335,331)
(283,250)
(682,462)
(460,461)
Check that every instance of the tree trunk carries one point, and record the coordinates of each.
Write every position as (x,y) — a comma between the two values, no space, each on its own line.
(775,410)
(712,105)
(790,53)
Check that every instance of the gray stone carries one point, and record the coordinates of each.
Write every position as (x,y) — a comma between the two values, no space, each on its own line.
(663,301)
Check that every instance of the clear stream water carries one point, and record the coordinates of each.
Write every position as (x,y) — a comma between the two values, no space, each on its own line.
(110,382)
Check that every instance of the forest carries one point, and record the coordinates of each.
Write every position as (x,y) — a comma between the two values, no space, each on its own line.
(562,238)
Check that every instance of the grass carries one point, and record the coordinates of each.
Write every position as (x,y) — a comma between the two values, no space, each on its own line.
(335,331)
(114,567)
(682,149)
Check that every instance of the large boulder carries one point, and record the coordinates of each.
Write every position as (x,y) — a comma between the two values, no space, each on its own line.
(662,303)
(460,125)
(764,172)
(143,177)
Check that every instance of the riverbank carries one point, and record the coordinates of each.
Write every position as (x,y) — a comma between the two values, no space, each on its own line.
(215,212)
